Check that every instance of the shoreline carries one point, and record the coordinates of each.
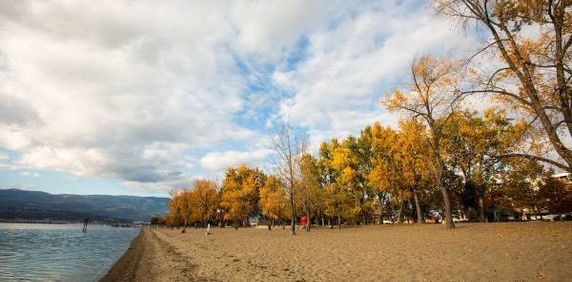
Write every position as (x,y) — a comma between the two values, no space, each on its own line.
(493,251)
(149,258)
(124,268)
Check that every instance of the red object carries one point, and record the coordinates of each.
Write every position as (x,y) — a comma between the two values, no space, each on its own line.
(303,220)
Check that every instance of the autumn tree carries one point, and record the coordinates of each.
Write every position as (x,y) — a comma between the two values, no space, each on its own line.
(537,64)
(309,192)
(240,189)
(186,208)
(523,183)
(384,175)
(205,199)
(335,197)
(416,161)
(362,151)
(471,147)
(349,179)
(557,196)
(274,204)
(174,216)
(432,98)
(288,148)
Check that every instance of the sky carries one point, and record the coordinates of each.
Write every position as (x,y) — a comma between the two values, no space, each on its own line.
(140,97)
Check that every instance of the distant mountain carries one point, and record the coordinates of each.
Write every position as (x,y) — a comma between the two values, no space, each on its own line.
(22,205)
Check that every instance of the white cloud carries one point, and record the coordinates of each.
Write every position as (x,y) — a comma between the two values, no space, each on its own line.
(218,161)
(94,90)
(4,157)
(30,174)
(268,28)
(135,92)
(348,69)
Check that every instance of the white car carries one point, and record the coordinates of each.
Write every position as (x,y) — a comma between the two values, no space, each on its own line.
(549,217)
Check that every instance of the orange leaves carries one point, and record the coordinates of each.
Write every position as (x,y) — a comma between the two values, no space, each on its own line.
(196,204)
(433,92)
(519,11)
(401,161)
(204,197)
(273,201)
(393,102)
(240,190)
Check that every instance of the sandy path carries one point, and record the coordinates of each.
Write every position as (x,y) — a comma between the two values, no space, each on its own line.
(151,259)
(507,251)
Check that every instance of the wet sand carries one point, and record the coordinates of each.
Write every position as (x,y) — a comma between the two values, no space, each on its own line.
(475,252)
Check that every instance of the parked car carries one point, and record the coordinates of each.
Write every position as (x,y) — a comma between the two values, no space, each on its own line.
(549,217)
(458,219)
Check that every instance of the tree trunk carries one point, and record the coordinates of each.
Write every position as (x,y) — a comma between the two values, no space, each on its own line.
(381,207)
(308,221)
(399,212)
(418,208)
(339,222)
(481,210)
(439,173)
(448,211)
(293,210)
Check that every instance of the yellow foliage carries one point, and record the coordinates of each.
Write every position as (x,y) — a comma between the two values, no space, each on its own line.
(273,201)
(240,189)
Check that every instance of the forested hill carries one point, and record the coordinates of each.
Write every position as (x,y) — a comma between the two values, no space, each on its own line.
(25,206)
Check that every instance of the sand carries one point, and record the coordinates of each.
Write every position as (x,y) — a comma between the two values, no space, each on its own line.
(476,252)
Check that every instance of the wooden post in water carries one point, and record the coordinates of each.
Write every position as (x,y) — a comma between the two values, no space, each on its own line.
(85,222)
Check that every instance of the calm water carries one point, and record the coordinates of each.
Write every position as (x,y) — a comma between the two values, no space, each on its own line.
(56,252)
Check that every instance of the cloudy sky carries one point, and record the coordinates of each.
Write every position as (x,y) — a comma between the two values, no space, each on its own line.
(136,97)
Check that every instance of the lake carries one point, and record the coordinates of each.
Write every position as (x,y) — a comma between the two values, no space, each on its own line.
(60,251)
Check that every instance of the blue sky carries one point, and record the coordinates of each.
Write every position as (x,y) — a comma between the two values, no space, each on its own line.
(116,97)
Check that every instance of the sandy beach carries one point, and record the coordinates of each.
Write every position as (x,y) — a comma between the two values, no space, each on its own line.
(497,251)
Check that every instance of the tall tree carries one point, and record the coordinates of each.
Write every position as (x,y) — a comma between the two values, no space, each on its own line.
(175,208)
(186,206)
(309,191)
(383,177)
(524,183)
(349,180)
(415,160)
(540,65)
(288,148)
(336,198)
(433,98)
(240,189)
(206,199)
(471,147)
(274,204)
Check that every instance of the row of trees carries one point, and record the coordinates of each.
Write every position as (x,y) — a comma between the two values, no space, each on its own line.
(443,156)
(386,174)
